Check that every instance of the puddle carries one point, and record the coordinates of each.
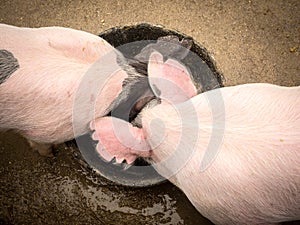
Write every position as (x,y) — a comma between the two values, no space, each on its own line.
(59,190)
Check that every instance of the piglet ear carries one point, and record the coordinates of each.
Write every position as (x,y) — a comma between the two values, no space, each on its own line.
(118,138)
(79,45)
(155,71)
(170,80)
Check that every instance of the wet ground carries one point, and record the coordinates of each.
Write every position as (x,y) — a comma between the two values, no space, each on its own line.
(251,41)
(40,190)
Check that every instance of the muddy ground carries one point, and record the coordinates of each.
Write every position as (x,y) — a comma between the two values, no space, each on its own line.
(251,41)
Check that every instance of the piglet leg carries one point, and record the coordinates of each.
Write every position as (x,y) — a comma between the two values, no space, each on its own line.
(41,148)
(118,138)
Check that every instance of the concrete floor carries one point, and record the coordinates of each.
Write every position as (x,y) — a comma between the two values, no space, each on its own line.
(251,41)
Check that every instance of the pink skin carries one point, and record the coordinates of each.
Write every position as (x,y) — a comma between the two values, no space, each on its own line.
(255,178)
(37,100)
(172,78)
(133,144)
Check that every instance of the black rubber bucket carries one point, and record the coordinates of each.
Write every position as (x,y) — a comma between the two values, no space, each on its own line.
(204,72)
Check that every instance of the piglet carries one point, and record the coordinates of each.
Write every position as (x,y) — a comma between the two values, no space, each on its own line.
(234,151)
(40,72)
(54,80)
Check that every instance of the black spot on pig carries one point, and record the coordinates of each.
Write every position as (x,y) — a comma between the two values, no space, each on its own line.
(8,65)
(136,90)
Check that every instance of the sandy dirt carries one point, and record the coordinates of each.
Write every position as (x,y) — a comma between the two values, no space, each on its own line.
(251,41)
